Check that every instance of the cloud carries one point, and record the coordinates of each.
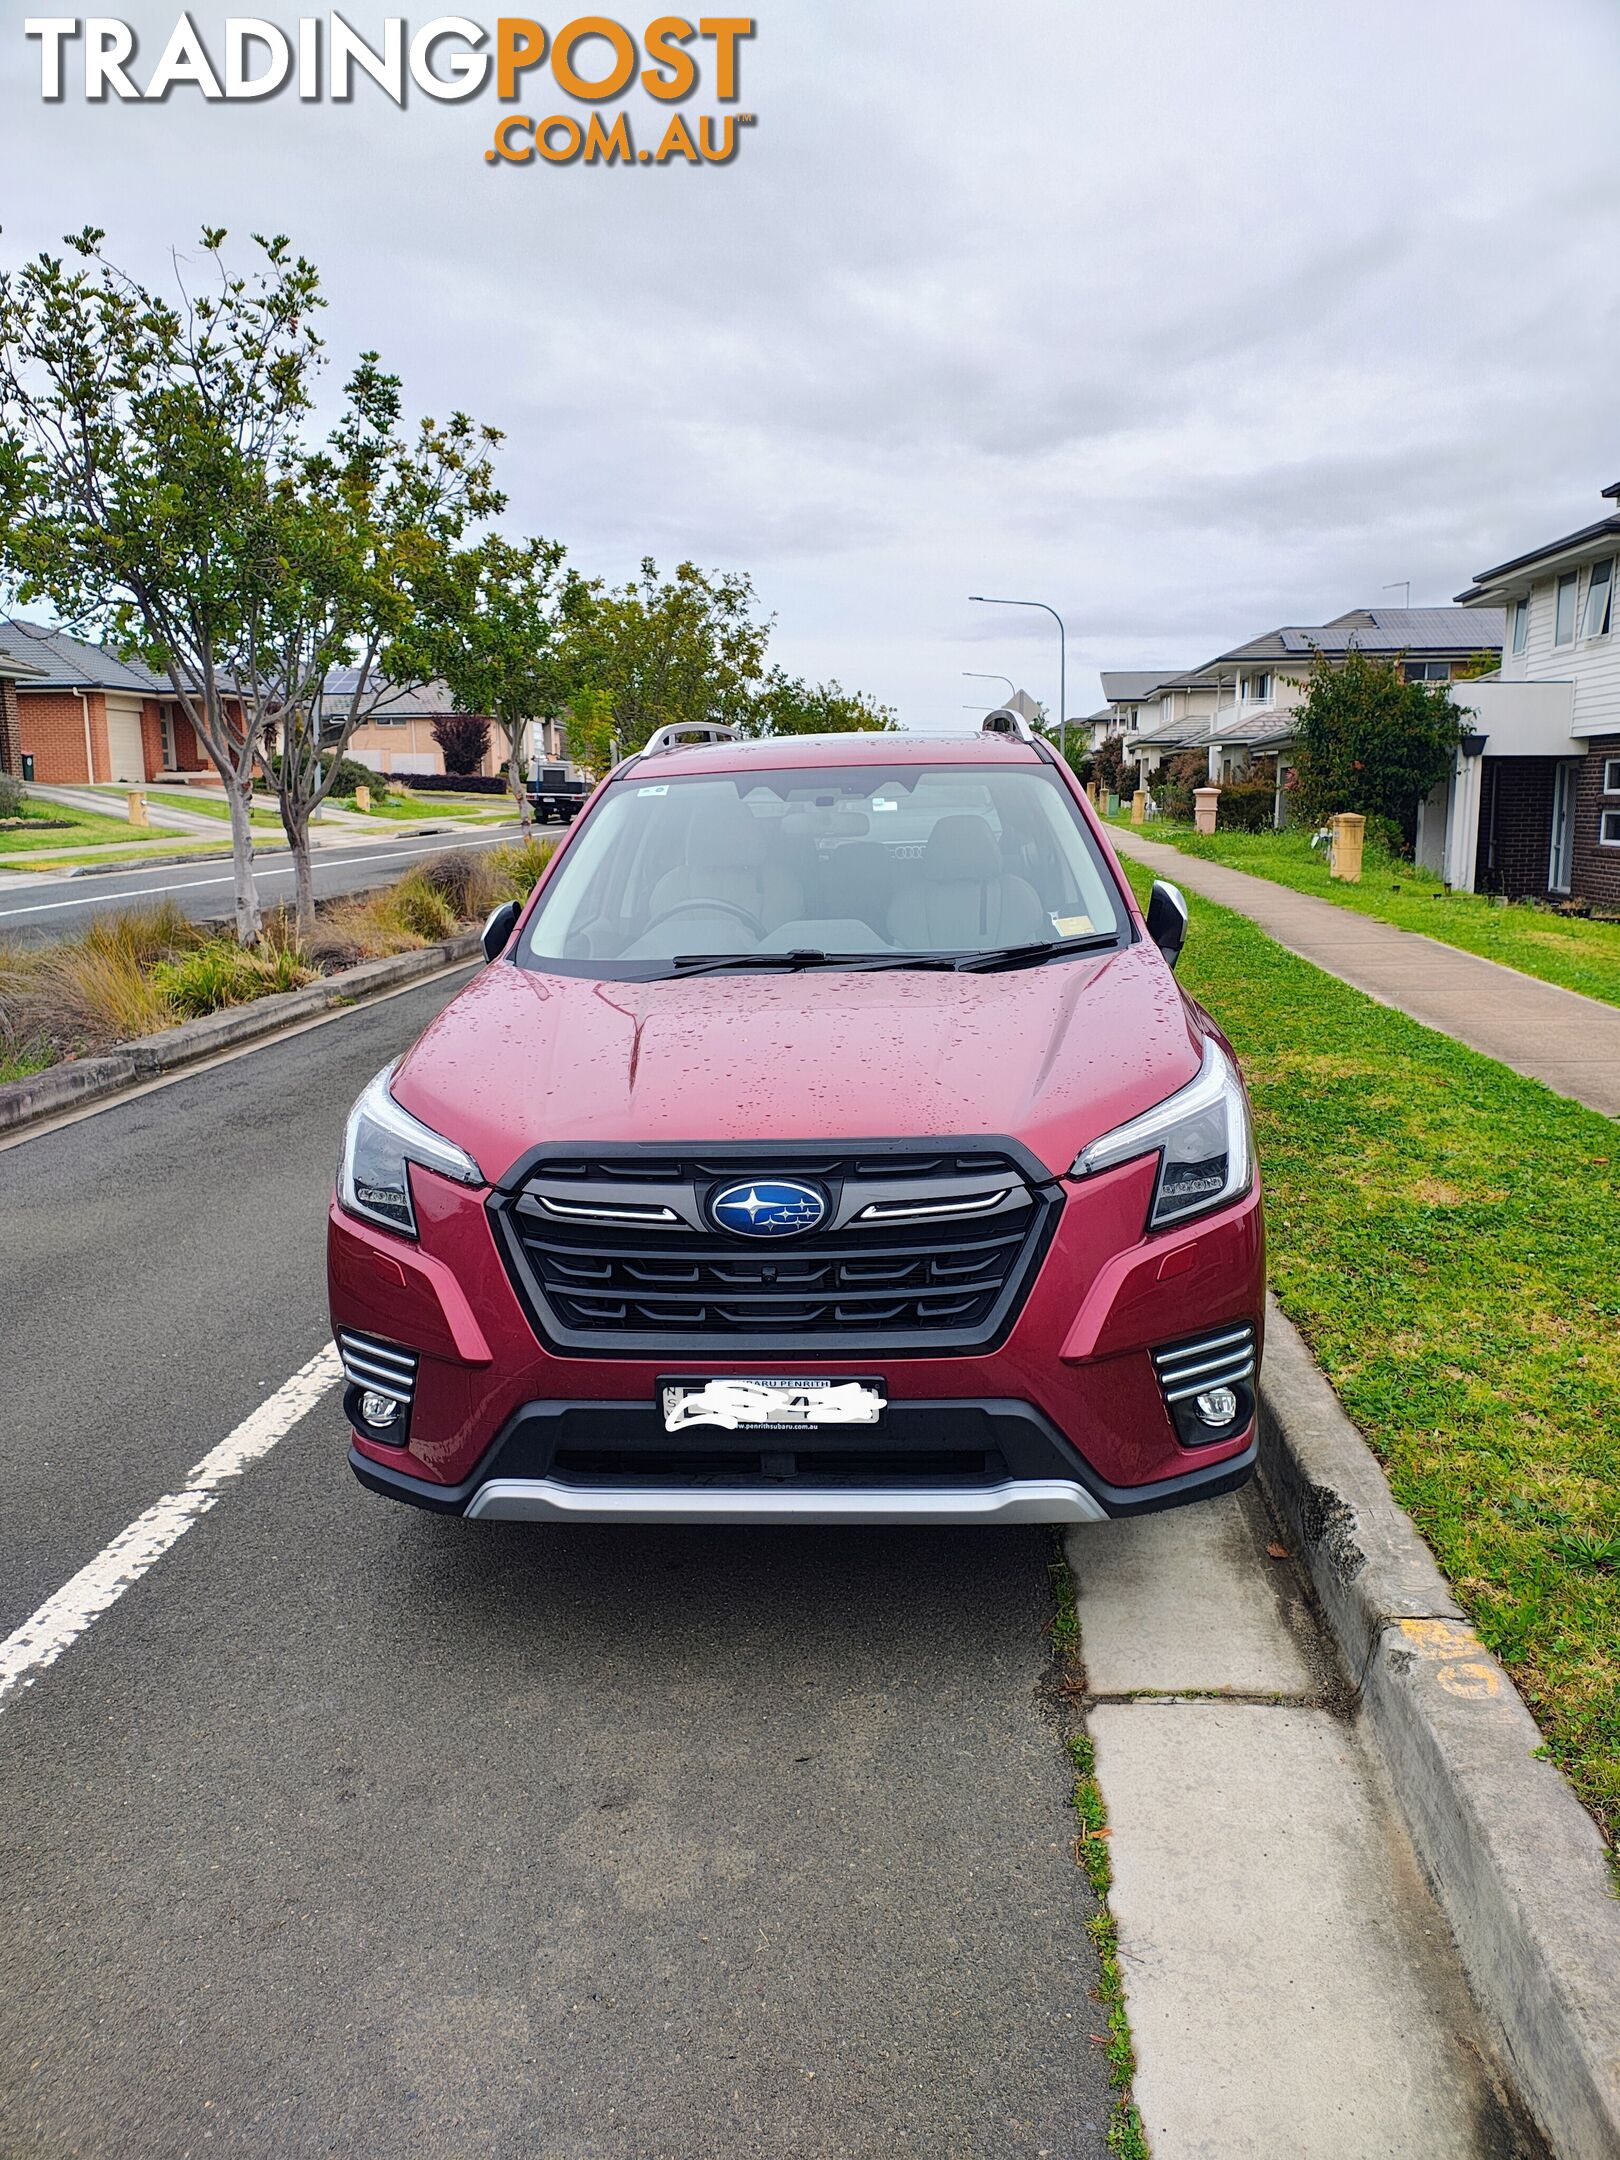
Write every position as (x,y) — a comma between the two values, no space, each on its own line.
(1191,318)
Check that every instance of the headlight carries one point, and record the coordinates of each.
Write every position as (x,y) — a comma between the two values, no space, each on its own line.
(378,1142)
(1201,1137)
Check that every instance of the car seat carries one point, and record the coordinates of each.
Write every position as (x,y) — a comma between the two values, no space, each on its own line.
(962,899)
(727,851)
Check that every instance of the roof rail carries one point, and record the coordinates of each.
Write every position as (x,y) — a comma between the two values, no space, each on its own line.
(698,731)
(1004,721)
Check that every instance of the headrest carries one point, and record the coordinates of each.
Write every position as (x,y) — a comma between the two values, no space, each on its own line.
(961,850)
(725,835)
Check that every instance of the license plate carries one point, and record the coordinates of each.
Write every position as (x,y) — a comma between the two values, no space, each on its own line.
(755,1405)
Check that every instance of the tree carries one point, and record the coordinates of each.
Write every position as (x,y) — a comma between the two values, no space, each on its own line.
(464,739)
(489,626)
(787,705)
(1369,740)
(141,446)
(684,648)
(366,527)
(160,491)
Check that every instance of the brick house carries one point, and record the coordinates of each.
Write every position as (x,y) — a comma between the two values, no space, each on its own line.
(1538,817)
(85,715)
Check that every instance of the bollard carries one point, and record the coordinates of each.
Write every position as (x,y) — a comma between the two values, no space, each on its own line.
(1113,804)
(1139,807)
(1344,850)
(1206,802)
(362,797)
(137,808)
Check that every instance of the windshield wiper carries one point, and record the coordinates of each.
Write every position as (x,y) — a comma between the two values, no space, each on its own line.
(856,963)
(1014,956)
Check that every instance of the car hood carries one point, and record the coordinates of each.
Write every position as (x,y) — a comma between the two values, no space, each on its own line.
(1052,1056)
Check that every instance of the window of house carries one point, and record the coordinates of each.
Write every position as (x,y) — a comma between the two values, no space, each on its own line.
(1600,599)
(171,762)
(1564,609)
(1611,776)
(1609,830)
(1428,671)
(1521,625)
(1257,688)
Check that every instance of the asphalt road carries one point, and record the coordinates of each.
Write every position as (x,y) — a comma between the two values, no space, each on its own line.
(36,907)
(349,1830)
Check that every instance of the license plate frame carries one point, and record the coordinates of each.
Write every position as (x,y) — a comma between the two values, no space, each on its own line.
(670,1392)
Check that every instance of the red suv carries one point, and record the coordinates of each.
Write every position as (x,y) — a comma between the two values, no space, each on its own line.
(827,1140)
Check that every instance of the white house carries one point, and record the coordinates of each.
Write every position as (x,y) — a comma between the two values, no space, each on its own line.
(1535,811)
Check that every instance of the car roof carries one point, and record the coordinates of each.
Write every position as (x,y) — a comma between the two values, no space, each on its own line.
(772,753)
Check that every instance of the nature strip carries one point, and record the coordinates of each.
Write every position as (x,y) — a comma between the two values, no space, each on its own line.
(79,1080)
(1515,1860)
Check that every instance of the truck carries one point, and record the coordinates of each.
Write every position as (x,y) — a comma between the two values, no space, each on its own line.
(556,791)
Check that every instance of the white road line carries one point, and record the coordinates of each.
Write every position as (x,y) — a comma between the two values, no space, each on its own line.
(344,862)
(62,1619)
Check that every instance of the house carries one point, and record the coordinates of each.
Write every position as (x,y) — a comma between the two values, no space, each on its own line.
(1126,690)
(1533,809)
(396,735)
(84,714)
(13,672)
(1239,707)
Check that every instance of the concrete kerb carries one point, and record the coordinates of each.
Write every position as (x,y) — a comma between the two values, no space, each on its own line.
(64,1087)
(1516,1862)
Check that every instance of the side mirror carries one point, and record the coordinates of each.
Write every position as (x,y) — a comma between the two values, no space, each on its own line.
(1167,919)
(498,930)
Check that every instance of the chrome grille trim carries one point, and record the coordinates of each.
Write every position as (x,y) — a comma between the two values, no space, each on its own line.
(1222,1358)
(382,1367)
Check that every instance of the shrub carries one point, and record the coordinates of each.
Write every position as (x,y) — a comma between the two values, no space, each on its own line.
(464,880)
(1247,805)
(220,973)
(1173,786)
(425,783)
(91,994)
(464,739)
(1368,740)
(413,907)
(350,775)
(11,796)
(516,869)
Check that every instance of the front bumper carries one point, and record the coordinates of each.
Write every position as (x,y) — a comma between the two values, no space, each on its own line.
(1063,1420)
(578,1462)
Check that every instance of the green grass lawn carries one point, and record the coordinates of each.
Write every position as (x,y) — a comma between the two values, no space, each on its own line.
(1563,949)
(85,828)
(1443,1233)
(413,809)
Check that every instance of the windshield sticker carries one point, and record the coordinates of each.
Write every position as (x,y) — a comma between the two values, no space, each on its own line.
(1071,925)
(664,790)
(884,802)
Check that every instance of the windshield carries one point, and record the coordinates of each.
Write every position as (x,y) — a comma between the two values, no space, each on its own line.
(894,860)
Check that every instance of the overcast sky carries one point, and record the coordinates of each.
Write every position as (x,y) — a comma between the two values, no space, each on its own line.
(1191,317)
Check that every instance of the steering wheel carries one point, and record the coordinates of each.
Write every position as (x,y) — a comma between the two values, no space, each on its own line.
(705,907)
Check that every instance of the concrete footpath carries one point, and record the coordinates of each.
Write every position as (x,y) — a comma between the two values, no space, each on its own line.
(1293,1988)
(1553,1035)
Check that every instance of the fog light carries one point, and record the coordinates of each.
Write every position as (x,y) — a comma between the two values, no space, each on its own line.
(382,1410)
(1217,1406)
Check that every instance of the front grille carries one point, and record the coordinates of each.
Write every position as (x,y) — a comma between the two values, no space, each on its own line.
(919,1251)
(1224,1357)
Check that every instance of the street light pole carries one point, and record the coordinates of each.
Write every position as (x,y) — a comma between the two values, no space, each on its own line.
(979,675)
(985,600)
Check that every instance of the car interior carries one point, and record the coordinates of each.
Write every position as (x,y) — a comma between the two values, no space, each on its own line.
(901,860)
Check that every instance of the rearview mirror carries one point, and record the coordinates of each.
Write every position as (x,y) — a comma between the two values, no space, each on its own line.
(1167,919)
(498,930)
